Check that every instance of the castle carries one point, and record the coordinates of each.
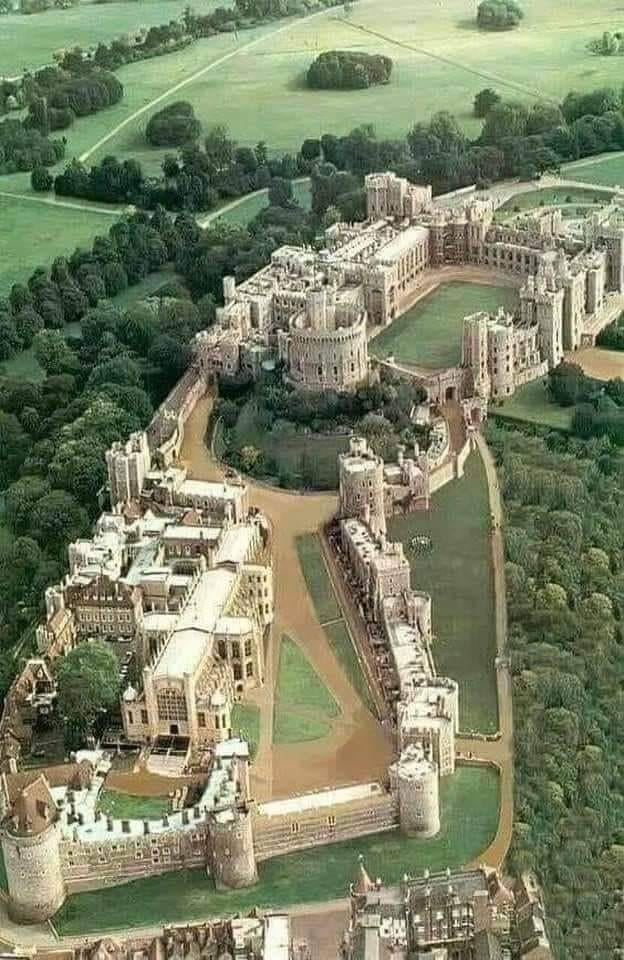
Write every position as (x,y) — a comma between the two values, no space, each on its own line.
(315,311)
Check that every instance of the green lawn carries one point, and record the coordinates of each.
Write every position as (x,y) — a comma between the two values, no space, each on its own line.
(469,819)
(29,41)
(246,719)
(458,575)
(330,615)
(33,234)
(429,334)
(303,704)
(552,197)
(127,806)
(608,171)
(531,404)
(317,578)
(251,206)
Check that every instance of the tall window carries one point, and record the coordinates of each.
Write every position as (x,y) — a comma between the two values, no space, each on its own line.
(171,705)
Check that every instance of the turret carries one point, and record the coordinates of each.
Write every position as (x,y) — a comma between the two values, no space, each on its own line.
(31,851)
(418,788)
(233,856)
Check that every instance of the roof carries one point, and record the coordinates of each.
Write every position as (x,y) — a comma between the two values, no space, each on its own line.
(34,809)
(314,801)
(192,638)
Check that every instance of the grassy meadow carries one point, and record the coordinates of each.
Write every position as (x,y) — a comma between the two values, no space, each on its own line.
(304,706)
(458,575)
(607,171)
(429,334)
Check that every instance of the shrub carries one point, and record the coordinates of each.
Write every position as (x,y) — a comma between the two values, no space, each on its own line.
(499,15)
(173,126)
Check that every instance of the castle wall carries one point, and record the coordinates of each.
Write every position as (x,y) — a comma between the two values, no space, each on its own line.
(279,835)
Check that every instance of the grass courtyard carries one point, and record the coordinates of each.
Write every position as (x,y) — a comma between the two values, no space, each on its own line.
(429,334)
(246,720)
(330,615)
(458,575)
(127,806)
(469,814)
(304,706)
(530,404)
(554,197)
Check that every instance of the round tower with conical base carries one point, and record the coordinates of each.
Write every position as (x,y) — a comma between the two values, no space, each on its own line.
(31,851)
(233,855)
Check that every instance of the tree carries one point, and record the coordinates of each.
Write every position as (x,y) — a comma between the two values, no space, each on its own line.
(57,519)
(14,444)
(53,353)
(173,126)
(88,686)
(280,192)
(41,179)
(484,101)
(499,14)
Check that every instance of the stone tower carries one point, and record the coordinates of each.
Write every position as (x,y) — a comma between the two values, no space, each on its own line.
(541,302)
(361,481)
(31,850)
(417,784)
(233,856)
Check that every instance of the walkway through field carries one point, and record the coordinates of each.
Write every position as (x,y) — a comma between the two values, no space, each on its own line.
(358,749)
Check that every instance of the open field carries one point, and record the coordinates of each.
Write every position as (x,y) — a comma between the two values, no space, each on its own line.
(28,42)
(429,334)
(126,806)
(531,404)
(599,363)
(458,575)
(33,234)
(437,51)
(246,721)
(303,704)
(553,197)
(607,171)
(330,615)
(469,816)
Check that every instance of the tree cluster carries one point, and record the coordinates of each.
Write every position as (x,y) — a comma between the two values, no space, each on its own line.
(598,406)
(348,70)
(564,531)
(499,14)
(22,148)
(610,44)
(268,406)
(173,126)
(612,336)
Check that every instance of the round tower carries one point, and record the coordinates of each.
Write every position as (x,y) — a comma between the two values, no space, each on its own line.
(31,850)
(361,483)
(233,855)
(418,789)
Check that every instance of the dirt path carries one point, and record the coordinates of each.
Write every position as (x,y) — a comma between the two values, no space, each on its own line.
(113,211)
(599,363)
(358,748)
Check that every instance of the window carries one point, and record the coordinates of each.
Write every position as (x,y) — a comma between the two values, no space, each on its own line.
(247,648)
(171,705)
(238,672)
(201,719)
(294,827)
(144,718)
(130,716)
(217,722)
(249,669)
(236,650)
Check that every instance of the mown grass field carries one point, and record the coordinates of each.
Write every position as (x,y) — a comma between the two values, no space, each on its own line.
(608,171)
(458,575)
(531,405)
(469,818)
(553,197)
(32,234)
(127,806)
(429,334)
(329,614)
(304,706)
(27,42)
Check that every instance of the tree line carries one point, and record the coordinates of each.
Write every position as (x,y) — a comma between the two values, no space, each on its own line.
(564,536)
